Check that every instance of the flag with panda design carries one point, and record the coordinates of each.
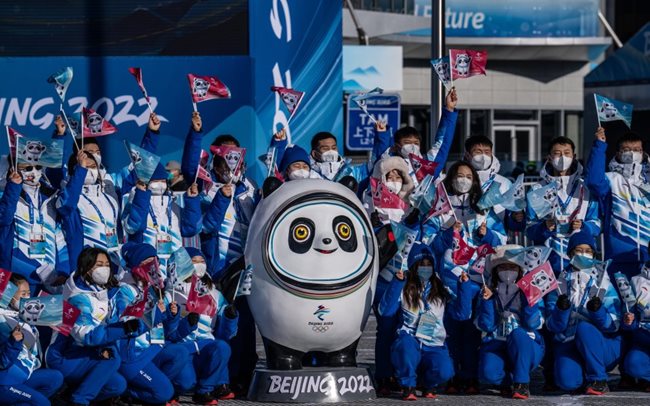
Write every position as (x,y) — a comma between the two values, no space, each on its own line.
(538,283)
(384,198)
(205,88)
(42,310)
(478,266)
(234,156)
(47,153)
(361,100)
(61,81)
(441,203)
(422,167)
(543,200)
(291,98)
(69,316)
(442,69)
(94,125)
(144,162)
(199,299)
(625,290)
(462,252)
(137,309)
(465,63)
(613,110)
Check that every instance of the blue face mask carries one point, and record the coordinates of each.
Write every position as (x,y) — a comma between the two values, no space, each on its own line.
(583,262)
(425,272)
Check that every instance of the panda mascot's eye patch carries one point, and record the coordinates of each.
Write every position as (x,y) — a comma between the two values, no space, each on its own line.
(344,232)
(301,235)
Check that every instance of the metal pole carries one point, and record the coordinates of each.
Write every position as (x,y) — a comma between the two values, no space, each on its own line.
(361,33)
(437,51)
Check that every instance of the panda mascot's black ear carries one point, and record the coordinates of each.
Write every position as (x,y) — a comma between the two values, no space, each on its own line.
(350,183)
(270,185)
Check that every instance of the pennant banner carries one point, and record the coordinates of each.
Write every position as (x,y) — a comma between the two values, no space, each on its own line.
(479,263)
(613,110)
(465,63)
(95,125)
(543,200)
(462,251)
(144,162)
(61,80)
(422,167)
(441,203)
(514,199)
(137,74)
(360,100)
(442,69)
(290,97)
(180,266)
(234,156)
(12,137)
(36,152)
(245,282)
(383,198)
(199,300)
(207,88)
(538,283)
(137,309)
(625,290)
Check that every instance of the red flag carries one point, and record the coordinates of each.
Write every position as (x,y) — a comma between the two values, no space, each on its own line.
(5,275)
(441,203)
(70,315)
(537,283)
(290,97)
(204,175)
(12,139)
(95,125)
(205,157)
(482,252)
(137,73)
(462,252)
(383,198)
(149,272)
(137,309)
(200,300)
(466,62)
(422,167)
(234,156)
(207,88)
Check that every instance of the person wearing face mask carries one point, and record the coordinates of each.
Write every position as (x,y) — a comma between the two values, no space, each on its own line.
(585,319)
(88,358)
(421,344)
(22,380)
(177,182)
(479,154)
(576,209)
(512,346)
(622,196)
(407,140)
(151,365)
(476,227)
(89,214)
(391,173)
(206,338)
(154,216)
(31,241)
(636,322)
(295,165)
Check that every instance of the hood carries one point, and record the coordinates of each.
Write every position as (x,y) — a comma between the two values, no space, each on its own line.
(636,173)
(575,174)
(385,165)
(485,174)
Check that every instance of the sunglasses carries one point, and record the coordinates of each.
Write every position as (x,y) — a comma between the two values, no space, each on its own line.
(31,168)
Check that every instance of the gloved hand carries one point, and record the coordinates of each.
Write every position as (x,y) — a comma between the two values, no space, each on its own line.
(594,304)
(563,302)
(131,326)
(193,319)
(230,311)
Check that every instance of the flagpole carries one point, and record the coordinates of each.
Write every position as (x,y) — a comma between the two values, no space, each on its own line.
(83,113)
(196,177)
(13,158)
(72,133)
(194,106)
(451,71)
(597,115)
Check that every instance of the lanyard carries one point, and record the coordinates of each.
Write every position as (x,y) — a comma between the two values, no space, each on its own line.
(486,186)
(585,294)
(99,213)
(31,209)
(169,214)
(563,205)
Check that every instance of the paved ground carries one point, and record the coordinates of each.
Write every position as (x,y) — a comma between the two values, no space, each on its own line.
(487,396)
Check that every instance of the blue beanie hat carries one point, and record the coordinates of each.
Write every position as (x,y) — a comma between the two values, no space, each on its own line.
(160,173)
(194,252)
(291,155)
(134,253)
(581,237)
(420,251)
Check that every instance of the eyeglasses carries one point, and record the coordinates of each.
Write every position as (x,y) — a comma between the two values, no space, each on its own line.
(31,168)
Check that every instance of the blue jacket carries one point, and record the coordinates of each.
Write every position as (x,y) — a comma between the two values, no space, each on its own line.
(490,317)
(17,362)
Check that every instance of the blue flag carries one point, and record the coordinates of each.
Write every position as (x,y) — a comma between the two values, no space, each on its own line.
(143,161)
(61,80)
(7,295)
(513,199)
(180,265)
(47,153)
(543,200)
(613,110)
(360,100)
(42,311)
(442,69)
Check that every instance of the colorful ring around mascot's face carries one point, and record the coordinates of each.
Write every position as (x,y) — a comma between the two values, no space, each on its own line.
(319,234)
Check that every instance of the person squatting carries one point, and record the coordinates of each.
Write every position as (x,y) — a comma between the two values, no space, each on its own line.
(445,318)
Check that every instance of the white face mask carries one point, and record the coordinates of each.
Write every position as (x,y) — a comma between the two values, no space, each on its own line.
(91,176)
(631,157)
(394,187)
(329,156)
(410,149)
(98,159)
(481,162)
(200,269)
(157,188)
(462,185)
(31,178)
(562,163)
(425,272)
(299,174)
(101,274)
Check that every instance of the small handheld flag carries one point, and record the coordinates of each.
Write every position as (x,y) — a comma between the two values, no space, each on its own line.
(462,251)
(479,263)
(290,97)
(61,80)
(42,311)
(465,63)
(361,101)
(244,283)
(383,198)
(441,203)
(95,125)
(613,110)
(137,309)
(36,152)
(137,74)
(12,137)
(204,175)
(514,199)
(144,162)
(200,300)
(543,200)
(422,167)
(442,69)
(625,290)
(234,156)
(205,88)
(538,283)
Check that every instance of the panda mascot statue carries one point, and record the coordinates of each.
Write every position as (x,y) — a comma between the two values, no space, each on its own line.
(315,261)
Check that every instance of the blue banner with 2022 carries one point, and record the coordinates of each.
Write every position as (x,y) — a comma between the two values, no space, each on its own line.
(359,130)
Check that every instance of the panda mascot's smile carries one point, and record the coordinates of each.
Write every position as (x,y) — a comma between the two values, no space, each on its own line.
(315,263)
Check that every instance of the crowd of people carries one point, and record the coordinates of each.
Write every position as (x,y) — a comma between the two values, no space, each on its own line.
(103,240)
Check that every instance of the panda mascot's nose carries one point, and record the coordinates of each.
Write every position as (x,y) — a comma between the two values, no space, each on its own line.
(327,241)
